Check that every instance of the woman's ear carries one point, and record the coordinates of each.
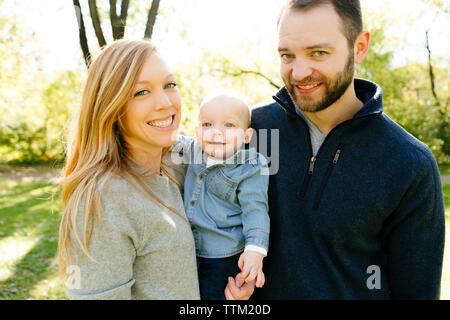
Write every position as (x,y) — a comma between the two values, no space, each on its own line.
(248,135)
(361,46)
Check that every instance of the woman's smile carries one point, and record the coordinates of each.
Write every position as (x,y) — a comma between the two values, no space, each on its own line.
(163,123)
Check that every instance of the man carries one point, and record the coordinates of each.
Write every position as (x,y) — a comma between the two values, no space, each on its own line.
(356,206)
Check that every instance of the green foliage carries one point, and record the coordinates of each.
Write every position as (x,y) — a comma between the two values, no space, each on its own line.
(37,136)
(35,105)
(211,71)
(407,96)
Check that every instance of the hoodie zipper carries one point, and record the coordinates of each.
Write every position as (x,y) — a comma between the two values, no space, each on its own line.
(324,182)
(313,159)
(308,176)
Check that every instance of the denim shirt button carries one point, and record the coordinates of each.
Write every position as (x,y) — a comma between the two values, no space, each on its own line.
(192,202)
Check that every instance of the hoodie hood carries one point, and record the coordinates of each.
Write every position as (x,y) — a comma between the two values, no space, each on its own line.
(368,92)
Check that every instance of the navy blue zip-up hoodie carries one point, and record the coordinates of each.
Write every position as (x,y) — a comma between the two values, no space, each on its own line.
(370,203)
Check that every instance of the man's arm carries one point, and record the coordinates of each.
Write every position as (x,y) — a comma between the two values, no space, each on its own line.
(414,237)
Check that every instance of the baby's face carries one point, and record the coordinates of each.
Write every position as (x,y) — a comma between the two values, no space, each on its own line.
(223,127)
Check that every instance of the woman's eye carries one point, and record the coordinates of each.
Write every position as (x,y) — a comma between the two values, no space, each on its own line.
(141,93)
(171,85)
(229,125)
(206,124)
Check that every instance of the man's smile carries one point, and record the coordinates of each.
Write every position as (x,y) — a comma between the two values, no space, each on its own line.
(308,88)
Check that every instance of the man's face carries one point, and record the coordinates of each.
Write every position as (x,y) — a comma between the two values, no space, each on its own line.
(317,65)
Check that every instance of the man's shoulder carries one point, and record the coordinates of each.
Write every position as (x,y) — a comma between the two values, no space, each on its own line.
(404,146)
(266,114)
(402,138)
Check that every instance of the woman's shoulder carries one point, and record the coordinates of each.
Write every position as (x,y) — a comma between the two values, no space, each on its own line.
(113,183)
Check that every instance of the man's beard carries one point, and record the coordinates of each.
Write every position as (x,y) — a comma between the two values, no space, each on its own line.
(334,89)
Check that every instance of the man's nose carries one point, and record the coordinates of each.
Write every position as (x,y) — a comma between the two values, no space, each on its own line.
(301,70)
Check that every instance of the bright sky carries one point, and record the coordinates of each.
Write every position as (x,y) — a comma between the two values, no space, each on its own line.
(215,24)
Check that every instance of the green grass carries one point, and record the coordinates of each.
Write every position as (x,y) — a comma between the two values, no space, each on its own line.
(29,220)
(444,169)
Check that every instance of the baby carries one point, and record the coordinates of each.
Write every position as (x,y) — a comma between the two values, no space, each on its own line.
(225,195)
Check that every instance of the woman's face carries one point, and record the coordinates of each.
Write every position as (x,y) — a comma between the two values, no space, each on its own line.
(153,114)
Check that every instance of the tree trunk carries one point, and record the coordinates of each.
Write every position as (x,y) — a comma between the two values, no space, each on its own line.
(442,112)
(82,33)
(118,22)
(96,23)
(151,19)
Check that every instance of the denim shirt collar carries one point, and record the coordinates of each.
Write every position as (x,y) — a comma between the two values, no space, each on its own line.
(240,157)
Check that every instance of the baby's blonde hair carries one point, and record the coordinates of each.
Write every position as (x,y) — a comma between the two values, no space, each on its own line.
(232,94)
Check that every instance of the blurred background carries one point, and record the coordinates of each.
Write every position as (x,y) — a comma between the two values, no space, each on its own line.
(45,46)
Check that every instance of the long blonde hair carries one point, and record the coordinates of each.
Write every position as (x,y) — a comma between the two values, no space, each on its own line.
(96,146)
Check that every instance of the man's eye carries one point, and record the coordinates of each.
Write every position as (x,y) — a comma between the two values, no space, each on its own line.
(171,85)
(229,125)
(319,53)
(141,93)
(206,124)
(286,57)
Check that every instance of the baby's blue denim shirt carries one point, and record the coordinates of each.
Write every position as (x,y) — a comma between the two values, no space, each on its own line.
(227,203)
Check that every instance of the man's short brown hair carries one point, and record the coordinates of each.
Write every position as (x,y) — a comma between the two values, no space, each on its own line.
(349,11)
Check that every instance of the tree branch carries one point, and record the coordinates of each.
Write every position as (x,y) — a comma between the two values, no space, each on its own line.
(152,13)
(96,23)
(82,33)
(430,70)
(257,73)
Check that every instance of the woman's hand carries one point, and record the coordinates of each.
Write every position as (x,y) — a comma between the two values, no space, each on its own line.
(238,289)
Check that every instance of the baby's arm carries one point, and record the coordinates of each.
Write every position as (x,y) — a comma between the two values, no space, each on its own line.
(253,199)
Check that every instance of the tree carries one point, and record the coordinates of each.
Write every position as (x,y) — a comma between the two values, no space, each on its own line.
(118,23)
(443,108)
(407,97)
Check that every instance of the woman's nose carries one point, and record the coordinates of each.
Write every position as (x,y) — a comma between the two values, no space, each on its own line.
(162,100)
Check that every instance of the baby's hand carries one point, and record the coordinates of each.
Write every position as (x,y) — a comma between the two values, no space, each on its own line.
(250,263)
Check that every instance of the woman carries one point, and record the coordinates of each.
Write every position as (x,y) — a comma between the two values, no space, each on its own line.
(124,229)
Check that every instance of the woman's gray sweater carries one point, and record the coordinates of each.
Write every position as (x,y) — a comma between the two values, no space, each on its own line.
(143,250)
